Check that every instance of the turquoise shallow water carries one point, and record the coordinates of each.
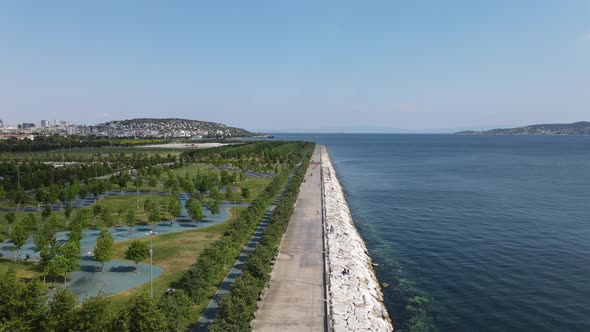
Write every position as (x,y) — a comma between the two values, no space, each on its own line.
(473,233)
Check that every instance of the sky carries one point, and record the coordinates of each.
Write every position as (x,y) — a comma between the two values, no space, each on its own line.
(298,66)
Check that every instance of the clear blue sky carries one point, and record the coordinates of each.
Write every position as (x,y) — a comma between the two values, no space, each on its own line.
(298,65)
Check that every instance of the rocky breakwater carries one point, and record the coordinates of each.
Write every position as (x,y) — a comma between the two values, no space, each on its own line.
(355,301)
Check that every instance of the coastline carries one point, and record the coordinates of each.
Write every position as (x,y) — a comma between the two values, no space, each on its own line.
(355,300)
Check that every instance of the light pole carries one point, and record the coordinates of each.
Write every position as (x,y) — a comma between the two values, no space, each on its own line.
(235,206)
(151,234)
(137,186)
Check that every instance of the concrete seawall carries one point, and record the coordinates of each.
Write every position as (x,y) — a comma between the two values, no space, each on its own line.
(355,301)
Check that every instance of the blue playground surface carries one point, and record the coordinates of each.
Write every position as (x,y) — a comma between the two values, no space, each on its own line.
(118,275)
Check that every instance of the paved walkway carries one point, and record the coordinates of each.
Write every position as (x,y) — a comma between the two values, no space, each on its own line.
(294,300)
(208,315)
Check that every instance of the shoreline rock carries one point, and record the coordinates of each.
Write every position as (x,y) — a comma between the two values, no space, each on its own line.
(355,299)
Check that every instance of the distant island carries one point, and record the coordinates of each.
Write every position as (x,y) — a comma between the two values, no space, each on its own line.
(576,128)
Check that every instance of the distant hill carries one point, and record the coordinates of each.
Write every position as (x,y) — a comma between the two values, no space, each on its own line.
(577,128)
(173,125)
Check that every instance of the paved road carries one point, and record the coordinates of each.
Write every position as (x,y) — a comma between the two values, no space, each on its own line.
(295,298)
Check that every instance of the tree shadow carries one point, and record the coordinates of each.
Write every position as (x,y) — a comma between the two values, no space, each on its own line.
(89,268)
(122,268)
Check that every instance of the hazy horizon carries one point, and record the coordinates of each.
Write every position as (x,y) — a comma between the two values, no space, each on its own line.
(299,67)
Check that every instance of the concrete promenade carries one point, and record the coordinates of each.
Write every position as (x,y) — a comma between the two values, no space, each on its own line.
(294,300)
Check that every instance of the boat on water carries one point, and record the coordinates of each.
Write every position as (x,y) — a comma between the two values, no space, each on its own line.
(270,136)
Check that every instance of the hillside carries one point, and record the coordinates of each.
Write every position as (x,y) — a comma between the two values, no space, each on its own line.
(174,126)
(577,128)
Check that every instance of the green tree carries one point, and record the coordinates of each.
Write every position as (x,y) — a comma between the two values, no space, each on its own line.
(96,210)
(77,225)
(214,194)
(174,205)
(43,236)
(46,212)
(41,195)
(194,208)
(10,219)
(155,215)
(107,217)
(130,218)
(122,181)
(140,315)
(138,180)
(58,266)
(18,197)
(235,178)
(72,191)
(68,212)
(120,215)
(30,223)
(103,251)
(153,182)
(137,252)
(54,193)
(171,181)
(48,252)
(83,191)
(245,192)
(71,252)
(213,206)
(60,313)
(176,306)
(148,205)
(92,315)
(22,305)
(224,178)
(19,237)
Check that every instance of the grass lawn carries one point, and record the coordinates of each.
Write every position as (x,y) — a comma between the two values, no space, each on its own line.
(174,252)
(193,169)
(129,202)
(256,186)
(24,270)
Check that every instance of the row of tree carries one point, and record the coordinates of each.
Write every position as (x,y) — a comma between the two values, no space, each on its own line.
(52,142)
(24,306)
(203,277)
(29,175)
(236,309)
(261,156)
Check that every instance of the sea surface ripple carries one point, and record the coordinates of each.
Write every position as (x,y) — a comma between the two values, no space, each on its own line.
(473,233)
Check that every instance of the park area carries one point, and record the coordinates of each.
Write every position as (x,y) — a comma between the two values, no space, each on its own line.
(117,226)
(120,274)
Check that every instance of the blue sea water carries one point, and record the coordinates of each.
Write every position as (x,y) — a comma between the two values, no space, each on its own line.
(473,233)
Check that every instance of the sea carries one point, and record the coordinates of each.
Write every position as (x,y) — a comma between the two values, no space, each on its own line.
(472,233)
